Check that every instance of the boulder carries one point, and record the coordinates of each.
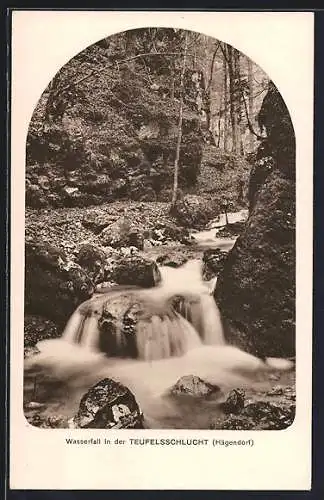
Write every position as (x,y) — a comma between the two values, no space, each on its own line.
(173,259)
(193,211)
(92,259)
(277,390)
(270,415)
(256,289)
(234,402)
(97,222)
(261,415)
(54,286)
(38,328)
(122,233)
(257,415)
(132,270)
(191,385)
(231,230)
(35,418)
(234,422)
(123,305)
(108,266)
(213,262)
(108,405)
(126,312)
(169,231)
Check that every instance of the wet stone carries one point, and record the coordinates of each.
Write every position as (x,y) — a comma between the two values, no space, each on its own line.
(234,402)
(192,385)
(107,405)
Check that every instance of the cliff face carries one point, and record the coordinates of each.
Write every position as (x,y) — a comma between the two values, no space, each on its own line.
(256,290)
(106,127)
(111,136)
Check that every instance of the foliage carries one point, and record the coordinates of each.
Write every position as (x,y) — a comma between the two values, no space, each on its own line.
(110,116)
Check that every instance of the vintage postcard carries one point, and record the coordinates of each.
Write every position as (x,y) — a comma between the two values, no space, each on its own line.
(161,252)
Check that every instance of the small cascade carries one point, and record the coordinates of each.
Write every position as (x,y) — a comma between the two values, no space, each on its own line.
(166,321)
(84,322)
(74,327)
(146,339)
(165,337)
(195,300)
(91,333)
(212,323)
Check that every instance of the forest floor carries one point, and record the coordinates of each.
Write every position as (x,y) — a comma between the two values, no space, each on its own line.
(272,400)
(64,228)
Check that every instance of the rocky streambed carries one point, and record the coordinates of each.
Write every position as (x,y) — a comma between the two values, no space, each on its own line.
(72,253)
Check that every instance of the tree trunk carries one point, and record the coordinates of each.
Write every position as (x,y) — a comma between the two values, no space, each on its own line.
(177,156)
(225,103)
(233,83)
(210,124)
(233,98)
(219,124)
(251,100)
(238,99)
(172,86)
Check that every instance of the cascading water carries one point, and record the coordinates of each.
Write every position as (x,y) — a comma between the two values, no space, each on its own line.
(196,303)
(147,340)
(172,318)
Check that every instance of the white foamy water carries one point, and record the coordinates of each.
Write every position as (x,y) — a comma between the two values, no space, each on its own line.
(183,279)
(232,217)
(224,366)
(209,239)
(170,345)
(163,333)
(188,278)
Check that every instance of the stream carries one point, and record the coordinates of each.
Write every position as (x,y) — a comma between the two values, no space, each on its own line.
(169,346)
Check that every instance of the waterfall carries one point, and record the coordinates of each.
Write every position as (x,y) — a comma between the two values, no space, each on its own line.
(178,315)
(146,340)
(197,304)
(212,323)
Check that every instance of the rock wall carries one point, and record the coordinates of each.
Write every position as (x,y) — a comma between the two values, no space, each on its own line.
(54,286)
(105,148)
(256,289)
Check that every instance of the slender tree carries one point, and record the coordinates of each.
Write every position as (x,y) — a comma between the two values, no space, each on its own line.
(210,92)
(177,156)
(238,100)
(251,99)
(233,86)
(225,92)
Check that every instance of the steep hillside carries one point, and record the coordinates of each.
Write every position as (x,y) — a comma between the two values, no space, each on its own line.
(113,136)
(106,128)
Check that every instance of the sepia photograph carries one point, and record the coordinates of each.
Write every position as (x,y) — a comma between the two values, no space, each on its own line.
(160,240)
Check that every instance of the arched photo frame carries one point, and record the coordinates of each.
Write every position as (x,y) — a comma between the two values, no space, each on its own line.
(303,154)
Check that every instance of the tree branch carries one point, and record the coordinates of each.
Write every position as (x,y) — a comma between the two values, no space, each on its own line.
(260,137)
(123,61)
(224,53)
(212,66)
(177,157)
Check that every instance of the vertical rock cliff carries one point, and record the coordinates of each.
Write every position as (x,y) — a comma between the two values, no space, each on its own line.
(256,290)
